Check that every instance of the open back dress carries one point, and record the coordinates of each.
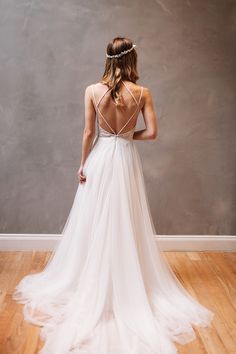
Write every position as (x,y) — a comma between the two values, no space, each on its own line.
(107,288)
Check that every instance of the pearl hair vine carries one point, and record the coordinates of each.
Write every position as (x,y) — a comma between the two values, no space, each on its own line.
(121,53)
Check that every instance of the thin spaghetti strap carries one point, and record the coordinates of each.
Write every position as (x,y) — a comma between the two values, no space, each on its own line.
(103,95)
(101,112)
(141,93)
(130,92)
(106,121)
(95,104)
(138,103)
(97,108)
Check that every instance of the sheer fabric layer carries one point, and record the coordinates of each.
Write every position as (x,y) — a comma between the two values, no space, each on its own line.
(107,288)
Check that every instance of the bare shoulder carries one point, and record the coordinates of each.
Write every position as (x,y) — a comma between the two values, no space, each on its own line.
(146,94)
(93,85)
(96,87)
(90,90)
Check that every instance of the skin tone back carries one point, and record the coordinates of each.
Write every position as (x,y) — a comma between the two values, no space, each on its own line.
(147,108)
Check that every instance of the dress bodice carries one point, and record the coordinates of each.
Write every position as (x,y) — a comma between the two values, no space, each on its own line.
(127,135)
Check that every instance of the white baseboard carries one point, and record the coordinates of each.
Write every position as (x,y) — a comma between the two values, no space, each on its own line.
(224,243)
(46,242)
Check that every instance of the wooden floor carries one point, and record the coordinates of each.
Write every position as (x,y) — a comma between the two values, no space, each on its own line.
(209,277)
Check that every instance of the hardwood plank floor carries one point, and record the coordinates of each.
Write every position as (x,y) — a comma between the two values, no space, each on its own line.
(209,277)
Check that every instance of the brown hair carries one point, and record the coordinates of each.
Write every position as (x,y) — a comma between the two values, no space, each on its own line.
(122,68)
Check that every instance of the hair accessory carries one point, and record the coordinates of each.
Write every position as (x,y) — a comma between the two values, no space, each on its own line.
(121,53)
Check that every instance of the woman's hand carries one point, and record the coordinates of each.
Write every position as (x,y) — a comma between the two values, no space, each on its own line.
(80,174)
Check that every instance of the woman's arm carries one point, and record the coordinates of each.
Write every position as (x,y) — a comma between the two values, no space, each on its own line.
(151,130)
(89,131)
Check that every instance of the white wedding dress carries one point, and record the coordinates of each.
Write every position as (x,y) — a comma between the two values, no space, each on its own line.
(107,288)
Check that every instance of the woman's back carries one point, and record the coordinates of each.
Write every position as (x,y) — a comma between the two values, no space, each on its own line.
(118,118)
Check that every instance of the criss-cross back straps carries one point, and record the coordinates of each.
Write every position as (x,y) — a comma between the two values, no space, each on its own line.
(137,103)
(127,87)
(98,110)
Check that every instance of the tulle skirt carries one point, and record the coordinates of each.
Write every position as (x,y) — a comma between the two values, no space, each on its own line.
(107,288)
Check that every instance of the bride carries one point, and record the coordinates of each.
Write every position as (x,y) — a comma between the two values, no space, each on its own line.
(107,288)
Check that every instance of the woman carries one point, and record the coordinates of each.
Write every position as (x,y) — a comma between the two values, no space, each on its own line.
(107,288)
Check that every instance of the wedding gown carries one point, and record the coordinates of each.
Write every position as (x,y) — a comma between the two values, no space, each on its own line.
(107,288)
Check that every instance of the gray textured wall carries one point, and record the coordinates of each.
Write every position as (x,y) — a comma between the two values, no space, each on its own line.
(51,50)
